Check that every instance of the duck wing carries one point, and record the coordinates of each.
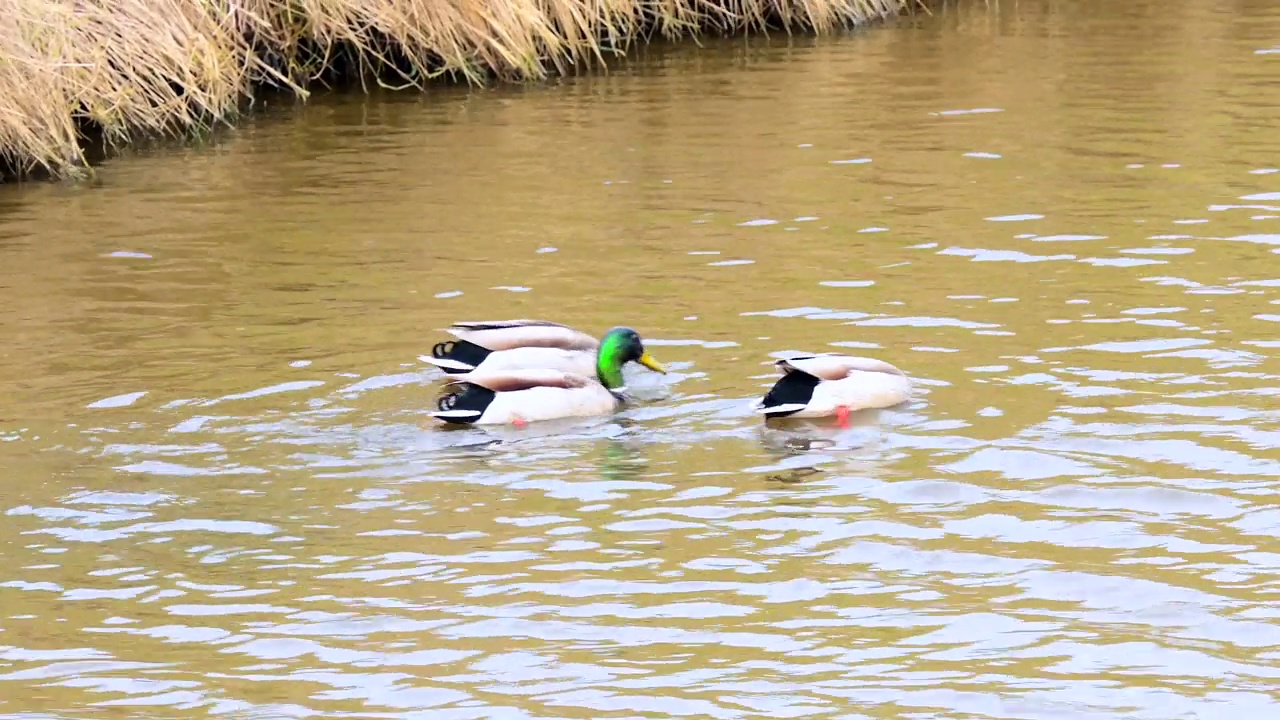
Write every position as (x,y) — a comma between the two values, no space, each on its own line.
(833,366)
(517,380)
(508,334)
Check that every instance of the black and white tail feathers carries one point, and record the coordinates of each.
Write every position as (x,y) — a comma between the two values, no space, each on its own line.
(465,404)
(789,395)
(456,356)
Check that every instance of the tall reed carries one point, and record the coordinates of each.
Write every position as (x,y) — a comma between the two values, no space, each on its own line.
(127,67)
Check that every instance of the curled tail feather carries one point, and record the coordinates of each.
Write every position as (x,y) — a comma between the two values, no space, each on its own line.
(464,405)
(456,356)
(447,401)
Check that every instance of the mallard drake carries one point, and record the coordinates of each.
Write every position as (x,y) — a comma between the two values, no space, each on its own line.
(489,397)
(503,345)
(822,385)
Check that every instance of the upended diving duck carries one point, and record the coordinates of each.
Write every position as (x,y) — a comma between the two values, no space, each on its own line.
(823,385)
(503,392)
(505,345)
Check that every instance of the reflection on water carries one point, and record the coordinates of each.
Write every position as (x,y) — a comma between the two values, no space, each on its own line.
(224,496)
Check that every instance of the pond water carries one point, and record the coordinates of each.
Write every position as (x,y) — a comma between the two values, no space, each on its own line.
(222,494)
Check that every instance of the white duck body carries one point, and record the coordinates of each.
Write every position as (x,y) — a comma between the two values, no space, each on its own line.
(814,386)
(507,334)
(578,362)
(492,398)
(505,345)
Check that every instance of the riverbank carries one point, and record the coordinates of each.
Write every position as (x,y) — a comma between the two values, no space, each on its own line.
(76,78)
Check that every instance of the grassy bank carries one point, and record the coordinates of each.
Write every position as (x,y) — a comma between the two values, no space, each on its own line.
(116,69)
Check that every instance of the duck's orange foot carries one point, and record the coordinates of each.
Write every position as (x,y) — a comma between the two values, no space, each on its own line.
(519,422)
(842,416)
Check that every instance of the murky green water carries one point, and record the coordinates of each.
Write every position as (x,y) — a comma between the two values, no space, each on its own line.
(222,494)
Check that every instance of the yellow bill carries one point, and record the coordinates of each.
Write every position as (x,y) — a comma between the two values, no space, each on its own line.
(647,360)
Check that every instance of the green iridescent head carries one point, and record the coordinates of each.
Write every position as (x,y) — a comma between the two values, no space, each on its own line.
(620,346)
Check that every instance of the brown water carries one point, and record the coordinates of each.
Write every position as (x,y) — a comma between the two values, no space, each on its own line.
(222,496)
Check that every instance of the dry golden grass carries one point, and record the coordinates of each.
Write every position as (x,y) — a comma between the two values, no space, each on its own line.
(167,66)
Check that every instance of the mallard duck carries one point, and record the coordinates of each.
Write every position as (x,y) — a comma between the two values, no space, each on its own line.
(503,345)
(822,385)
(489,397)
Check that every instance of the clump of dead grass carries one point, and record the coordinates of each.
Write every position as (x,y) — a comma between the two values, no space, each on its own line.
(125,67)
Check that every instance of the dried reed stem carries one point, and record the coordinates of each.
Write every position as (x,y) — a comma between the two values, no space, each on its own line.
(171,66)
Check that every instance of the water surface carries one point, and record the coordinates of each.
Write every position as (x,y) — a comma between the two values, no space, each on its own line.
(222,494)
